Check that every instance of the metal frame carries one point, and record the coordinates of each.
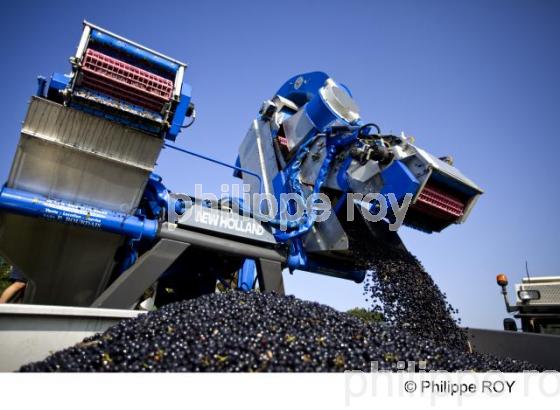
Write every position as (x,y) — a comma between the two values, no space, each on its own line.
(125,291)
(270,262)
(269,274)
(536,348)
(228,246)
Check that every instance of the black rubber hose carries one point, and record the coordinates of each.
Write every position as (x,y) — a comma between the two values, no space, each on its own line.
(369,124)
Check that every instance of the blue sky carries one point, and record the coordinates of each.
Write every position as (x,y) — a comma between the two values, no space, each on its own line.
(475,79)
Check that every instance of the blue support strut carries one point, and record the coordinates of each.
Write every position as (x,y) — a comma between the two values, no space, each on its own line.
(246,275)
(29,204)
(215,161)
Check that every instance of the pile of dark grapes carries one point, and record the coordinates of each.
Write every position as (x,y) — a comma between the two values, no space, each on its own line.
(261,332)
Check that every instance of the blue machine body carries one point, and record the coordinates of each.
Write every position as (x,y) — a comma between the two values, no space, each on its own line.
(133,52)
(320,144)
(58,83)
(179,114)
(325,125)
(246,275)
(303,87)
(399,181)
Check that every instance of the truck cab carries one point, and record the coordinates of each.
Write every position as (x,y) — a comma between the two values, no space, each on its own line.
(537,304)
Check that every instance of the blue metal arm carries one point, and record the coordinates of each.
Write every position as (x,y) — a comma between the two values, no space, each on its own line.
(215,161)
(29,204)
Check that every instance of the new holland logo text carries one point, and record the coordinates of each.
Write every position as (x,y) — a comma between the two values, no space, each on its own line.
(229,221)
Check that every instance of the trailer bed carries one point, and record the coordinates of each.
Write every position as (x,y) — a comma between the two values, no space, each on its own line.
(30,333)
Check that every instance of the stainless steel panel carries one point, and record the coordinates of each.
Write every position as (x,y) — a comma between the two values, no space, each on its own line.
(326,236)
(77,157)
(447,169)
(256,154)
(73,156)
(296,128)
(30,333)
(67,265)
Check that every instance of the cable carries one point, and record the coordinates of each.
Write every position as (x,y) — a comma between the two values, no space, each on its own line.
(369,124)
(193,119)
(191,112)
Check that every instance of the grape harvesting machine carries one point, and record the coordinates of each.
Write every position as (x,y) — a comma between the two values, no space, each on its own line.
(99,237)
